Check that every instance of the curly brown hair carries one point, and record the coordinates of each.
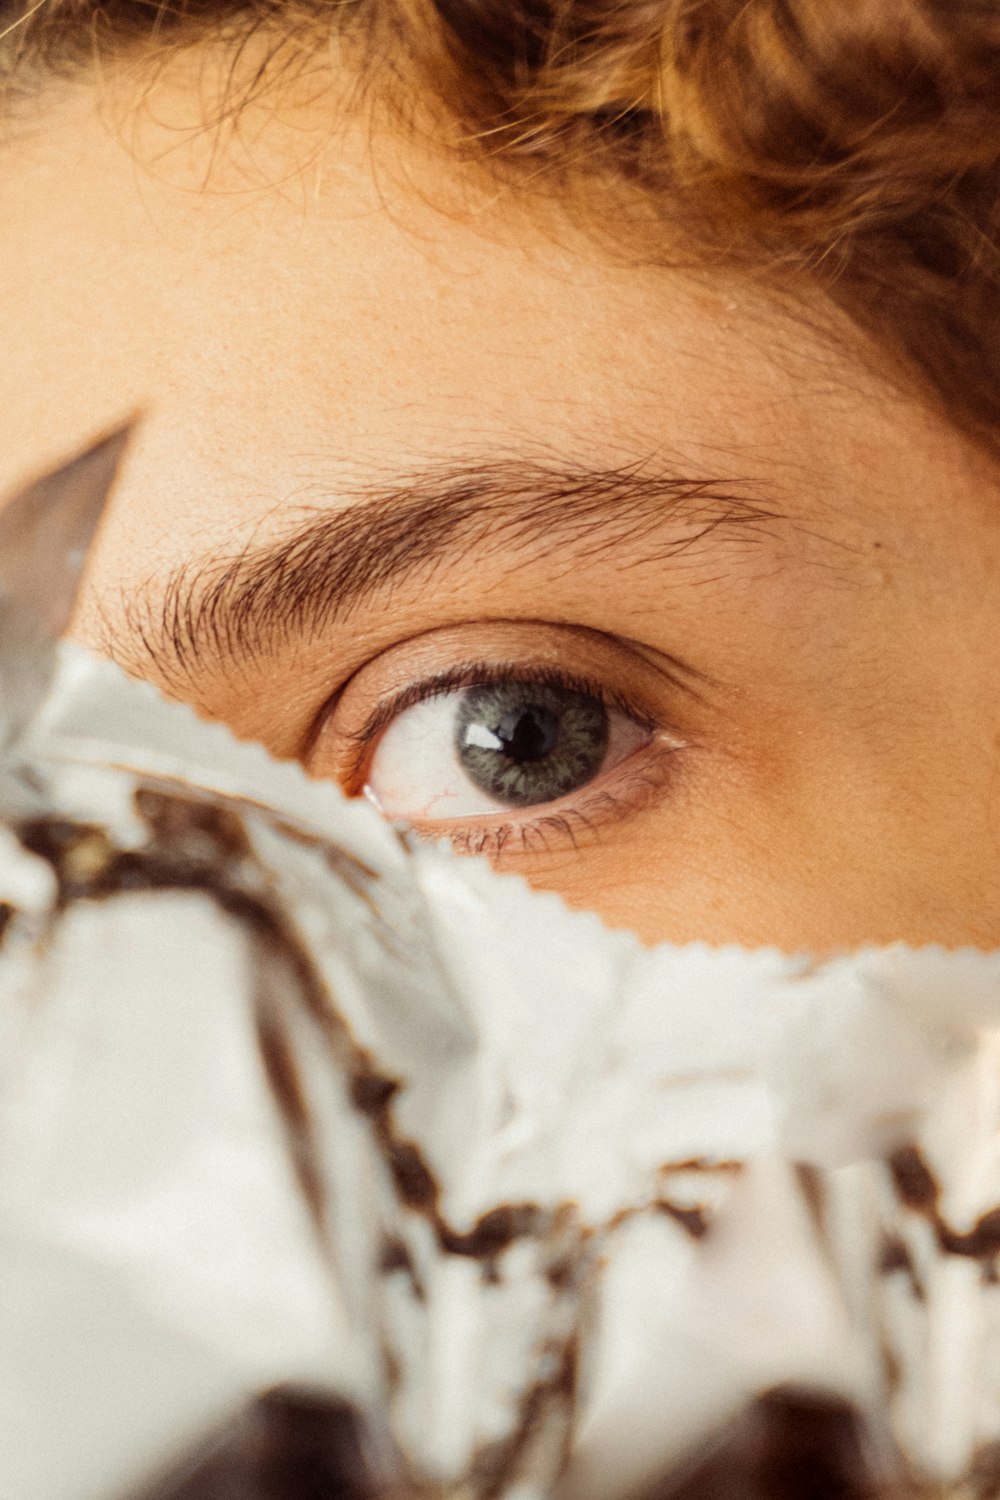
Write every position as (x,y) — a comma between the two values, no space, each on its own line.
(848,147)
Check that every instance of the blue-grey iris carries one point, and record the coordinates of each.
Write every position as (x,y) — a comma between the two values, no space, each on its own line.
(523,743)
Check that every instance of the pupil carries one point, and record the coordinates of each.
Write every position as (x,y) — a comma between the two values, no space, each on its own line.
(529,733)
(525,743)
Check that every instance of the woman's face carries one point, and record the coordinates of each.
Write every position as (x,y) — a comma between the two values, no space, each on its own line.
(618,577)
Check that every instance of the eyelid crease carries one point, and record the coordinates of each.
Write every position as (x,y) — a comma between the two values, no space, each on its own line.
(233,610)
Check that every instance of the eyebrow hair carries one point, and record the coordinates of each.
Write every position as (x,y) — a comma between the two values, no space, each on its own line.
(326,569)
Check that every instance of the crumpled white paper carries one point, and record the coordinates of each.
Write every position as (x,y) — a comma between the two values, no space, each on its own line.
(288,1097)
(641,1117)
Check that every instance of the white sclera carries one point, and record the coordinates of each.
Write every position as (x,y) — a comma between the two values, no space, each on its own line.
(416,773)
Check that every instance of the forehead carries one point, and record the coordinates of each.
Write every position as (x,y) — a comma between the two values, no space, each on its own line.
(300,290)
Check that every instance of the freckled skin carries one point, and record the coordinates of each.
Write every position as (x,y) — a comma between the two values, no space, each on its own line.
(288,300)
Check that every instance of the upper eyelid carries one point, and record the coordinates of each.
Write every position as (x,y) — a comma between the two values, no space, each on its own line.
(469,675)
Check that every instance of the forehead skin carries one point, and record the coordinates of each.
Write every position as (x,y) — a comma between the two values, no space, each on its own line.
(296,307)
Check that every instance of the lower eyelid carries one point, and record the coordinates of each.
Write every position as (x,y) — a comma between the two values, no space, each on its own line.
(583,819)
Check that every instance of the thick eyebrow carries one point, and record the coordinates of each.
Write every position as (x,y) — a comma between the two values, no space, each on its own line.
(239,608)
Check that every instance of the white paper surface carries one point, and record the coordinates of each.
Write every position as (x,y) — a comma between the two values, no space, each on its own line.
(639,1117)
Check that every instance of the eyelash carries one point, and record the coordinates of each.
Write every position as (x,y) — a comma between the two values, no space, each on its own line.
(644,785)
(494,839)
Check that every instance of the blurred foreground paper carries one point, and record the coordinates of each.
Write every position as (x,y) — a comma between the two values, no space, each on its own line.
(335,1165)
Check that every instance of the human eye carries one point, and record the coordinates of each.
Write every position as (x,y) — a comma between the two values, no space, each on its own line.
(499,754)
